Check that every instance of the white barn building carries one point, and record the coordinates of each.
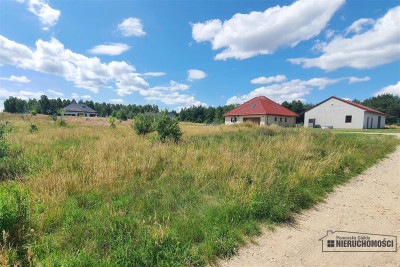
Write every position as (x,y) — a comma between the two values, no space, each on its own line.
(341,113)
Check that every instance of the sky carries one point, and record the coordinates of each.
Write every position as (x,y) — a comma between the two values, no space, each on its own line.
(181,53)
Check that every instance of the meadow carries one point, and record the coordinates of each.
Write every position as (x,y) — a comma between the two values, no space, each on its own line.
(90,195)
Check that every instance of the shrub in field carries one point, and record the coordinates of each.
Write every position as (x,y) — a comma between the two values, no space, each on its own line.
(168,128)
(53,117)
(33,128)
(111,120)
(33,112)
(61,122)
(144,124)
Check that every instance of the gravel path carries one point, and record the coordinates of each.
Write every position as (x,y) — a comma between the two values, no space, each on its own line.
(369,203)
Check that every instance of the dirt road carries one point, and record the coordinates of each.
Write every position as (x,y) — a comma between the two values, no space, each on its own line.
(369,203)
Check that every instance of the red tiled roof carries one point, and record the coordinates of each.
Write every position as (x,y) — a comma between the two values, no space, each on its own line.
(260,106)
(351,103)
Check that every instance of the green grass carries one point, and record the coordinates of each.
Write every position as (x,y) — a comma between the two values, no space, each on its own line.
(366,130)
(107,197)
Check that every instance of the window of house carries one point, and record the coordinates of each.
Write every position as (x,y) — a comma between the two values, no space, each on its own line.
(233,119)
(252,106)
(348,119)
(276,119)
(285,119)
(280,119)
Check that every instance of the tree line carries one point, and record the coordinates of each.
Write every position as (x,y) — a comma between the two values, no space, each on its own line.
(387,103)
(47,106)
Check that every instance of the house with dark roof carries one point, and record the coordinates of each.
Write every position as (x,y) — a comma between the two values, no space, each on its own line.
(336,112)
(262,111)
(79,110)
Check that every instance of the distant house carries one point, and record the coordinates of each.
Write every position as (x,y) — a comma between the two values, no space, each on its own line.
(79,110)
(263,111)
(340,113)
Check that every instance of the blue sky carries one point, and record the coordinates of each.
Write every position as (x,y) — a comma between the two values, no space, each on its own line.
(183,53)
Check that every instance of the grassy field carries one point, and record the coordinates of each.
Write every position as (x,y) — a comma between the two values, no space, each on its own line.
(390,130)
(90,195)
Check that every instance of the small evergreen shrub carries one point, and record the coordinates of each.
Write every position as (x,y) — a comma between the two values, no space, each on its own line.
(33,112)
(111,120)
(144,124)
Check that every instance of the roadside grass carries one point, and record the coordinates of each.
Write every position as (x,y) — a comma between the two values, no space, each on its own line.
(388,130)
(107,197)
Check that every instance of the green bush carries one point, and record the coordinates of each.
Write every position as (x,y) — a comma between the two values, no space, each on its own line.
(144,124)
(168,128)
(61,122)
(13,211)
(111,120)
(33,128)
(53,117)
(33,112)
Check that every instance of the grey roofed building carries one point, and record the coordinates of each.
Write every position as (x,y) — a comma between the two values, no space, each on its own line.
(79,110)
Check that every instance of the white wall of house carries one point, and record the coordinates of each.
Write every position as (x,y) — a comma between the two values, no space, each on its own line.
(333,113)
(283,121)
(371,120)
(76,114)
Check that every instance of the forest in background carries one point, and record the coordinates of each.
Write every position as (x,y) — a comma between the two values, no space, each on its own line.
(387,103)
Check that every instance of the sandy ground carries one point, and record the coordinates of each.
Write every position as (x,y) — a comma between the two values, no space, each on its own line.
(369,203)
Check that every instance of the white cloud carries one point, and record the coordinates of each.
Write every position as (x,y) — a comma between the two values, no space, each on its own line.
(55,93)
(196,75)
(12,52)
(329,33)
(321,83)
(131,27)
(377,46)
(74,95)
(86,97)
(25,95)
(20,1)
(18,79)
(359,25)
(173,86)
(357,80)
(170,95)
(266,80)
(129,83)
(258,33)
(47,15)
(85,72)
(117,101)
(111,49)
(153,74)
(206,31)
(289,90)
(391,89)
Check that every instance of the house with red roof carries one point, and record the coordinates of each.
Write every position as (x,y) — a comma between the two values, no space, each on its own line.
(341,113)
(262,111)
